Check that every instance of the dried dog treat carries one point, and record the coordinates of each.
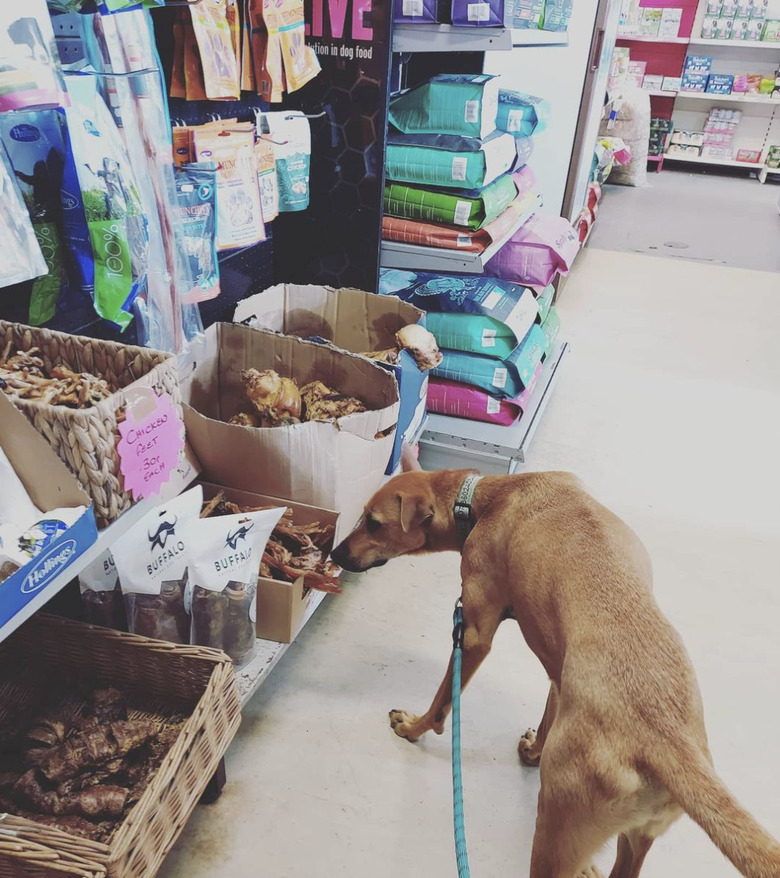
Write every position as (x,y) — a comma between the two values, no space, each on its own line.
(95,802)
(415,339)
(323,404)
(277,399)
(101,595)
(160,616)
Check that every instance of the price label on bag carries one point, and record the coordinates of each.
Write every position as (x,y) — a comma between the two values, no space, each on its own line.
(151,441)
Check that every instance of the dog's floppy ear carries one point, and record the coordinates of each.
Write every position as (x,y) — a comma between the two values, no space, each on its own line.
(415,510)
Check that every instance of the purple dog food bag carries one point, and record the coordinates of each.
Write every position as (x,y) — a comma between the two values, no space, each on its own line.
(478,13)
(414,11)
(447,397)
(538,250)
(524,179)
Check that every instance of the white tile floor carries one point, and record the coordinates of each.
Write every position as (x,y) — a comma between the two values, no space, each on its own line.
(669,408)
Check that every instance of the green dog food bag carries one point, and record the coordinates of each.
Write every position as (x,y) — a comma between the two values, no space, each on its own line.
(471,210)
(472,333)
(450,103)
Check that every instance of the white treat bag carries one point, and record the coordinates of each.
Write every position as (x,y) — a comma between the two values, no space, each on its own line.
(151,560)
(101,596)
(225,554)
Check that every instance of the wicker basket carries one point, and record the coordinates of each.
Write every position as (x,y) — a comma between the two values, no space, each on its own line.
(86,439)
(198,681)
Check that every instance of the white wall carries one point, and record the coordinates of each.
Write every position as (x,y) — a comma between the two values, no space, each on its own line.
(556,73)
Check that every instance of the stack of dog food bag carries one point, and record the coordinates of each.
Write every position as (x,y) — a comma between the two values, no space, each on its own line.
(456,167)
(550,15)
(457,177)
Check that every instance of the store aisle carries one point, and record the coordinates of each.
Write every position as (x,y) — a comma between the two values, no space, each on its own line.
(668,408)
(709,217)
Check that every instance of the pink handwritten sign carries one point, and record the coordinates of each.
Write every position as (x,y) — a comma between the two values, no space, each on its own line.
(151,440)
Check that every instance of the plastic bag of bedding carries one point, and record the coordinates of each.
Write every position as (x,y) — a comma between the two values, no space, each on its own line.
(521,115)
(505,378)
(541,248)
(464,104)
(449,161)
(459,400)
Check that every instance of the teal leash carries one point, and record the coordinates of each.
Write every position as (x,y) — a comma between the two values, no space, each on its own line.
(461,853)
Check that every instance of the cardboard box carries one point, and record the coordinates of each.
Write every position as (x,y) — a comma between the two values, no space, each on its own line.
(50,486)
(332,464)
(354,321)
(281,606)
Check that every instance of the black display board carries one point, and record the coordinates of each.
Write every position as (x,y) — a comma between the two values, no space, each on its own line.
(336,241)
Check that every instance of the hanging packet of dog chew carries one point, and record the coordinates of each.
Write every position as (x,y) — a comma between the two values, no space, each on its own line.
(178,82)
(215,46)
(195,86)
(196,191)
(267,179)
(290,137)
(239,213)
(248,82)
(151,560)
(284,18)
(271,76)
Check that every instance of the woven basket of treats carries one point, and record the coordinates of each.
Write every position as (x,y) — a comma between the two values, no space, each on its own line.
(73,391)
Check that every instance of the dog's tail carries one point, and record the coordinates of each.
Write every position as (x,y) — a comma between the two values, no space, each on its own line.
(692,781)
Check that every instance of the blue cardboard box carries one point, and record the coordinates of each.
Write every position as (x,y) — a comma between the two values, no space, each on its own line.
(355,321)
(697,64)
(693,82)
(720,83)
(50,486)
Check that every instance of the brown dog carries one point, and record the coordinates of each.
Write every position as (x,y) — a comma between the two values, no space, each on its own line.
(621,746)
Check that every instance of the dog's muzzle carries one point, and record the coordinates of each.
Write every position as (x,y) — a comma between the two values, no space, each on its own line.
(340,555)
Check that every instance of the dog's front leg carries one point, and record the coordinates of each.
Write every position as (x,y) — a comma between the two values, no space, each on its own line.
(479,628)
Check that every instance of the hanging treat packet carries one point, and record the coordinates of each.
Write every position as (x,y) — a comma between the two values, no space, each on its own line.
(290,138)
(178,87)
(151,559)
(105,227)
(284,19)
(101,596)
(22,258)
(225,555)
(271,76)
(194,82)
(30,74)
(463,104)
(248,82)
(196,192)
(267,179)
(239,213)
(35,146)
(217,53)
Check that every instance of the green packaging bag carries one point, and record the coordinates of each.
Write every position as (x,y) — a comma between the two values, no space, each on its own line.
(550,327)
(544,302)
(472,211)
(450,162)
(450,103)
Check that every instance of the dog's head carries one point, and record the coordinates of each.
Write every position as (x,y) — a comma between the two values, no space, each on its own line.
(396,522)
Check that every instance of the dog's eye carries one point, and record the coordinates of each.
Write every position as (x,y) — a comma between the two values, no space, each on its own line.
(372,524)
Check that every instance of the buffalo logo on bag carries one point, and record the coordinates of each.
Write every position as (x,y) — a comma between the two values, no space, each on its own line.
(241,534)
(160,537)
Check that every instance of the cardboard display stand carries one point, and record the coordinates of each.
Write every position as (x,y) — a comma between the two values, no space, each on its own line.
(355,321)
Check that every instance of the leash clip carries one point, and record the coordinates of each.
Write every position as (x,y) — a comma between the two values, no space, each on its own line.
(457,625)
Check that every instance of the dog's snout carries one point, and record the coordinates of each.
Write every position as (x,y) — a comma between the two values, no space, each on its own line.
(340,555)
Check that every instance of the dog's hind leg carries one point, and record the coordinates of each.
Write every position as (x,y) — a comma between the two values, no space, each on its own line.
(479,629)
(531,744)
(632,850)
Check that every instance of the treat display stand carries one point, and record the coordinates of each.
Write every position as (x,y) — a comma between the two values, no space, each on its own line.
(759,126)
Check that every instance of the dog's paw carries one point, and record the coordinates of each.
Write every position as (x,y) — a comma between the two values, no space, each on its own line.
(527,750)
(406,725)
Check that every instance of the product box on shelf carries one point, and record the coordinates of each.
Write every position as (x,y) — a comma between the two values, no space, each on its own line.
(478,13)
(50,486)
(771,31)
(719,83)
(697,64)
(723,28)
(773,157)
(335,464)
(650,21)
(753,156)
(694,82)
(653,81)
(415,11)
(281,605)
(670,22)
(524,14)
(355,321)
(636,73)
(672,83)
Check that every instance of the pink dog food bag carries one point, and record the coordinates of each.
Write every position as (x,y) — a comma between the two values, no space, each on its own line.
(538,250)
(447,397)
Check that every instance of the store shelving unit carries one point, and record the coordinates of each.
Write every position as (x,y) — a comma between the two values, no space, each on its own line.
(641,38)
(450,442)
(106,538)
(446,38)
(705,160)
(396,254)
(733,98)
(761,45)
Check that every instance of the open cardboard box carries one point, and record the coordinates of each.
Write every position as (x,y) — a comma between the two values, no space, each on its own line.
(330,464)
(281,606)
(50,486)
(355,321)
